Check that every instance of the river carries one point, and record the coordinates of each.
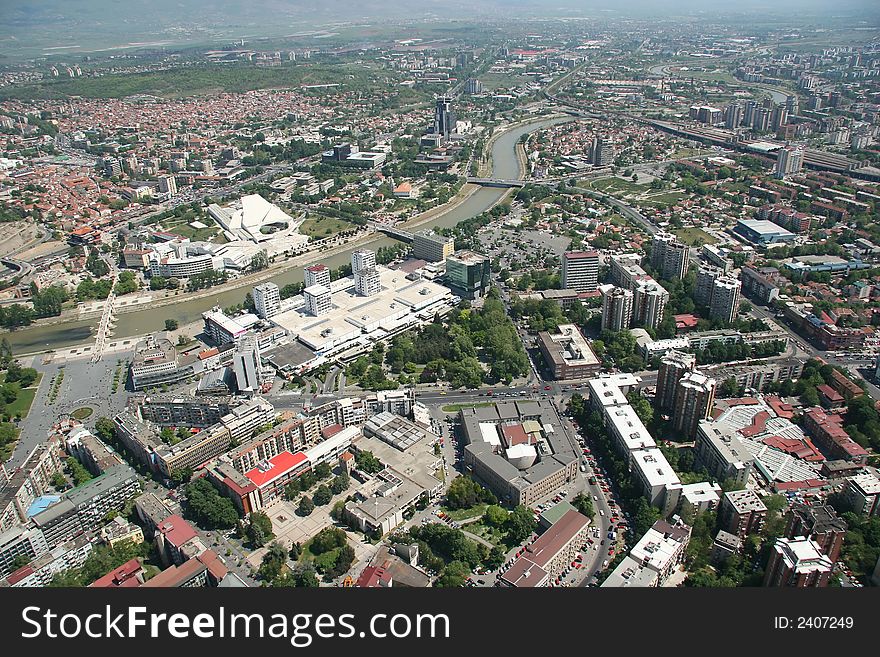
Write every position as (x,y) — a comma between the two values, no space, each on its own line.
(505,165)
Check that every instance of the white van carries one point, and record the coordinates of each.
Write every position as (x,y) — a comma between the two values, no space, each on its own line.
(601,512)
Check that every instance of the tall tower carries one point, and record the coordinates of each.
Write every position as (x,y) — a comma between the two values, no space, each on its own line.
(670,256)
(617,308)
(694,396)
(706,277)
(724,304)
(267,299)
(362,259)
(580,271)
(673,366)
(444,119)
(316,275)
(798,562)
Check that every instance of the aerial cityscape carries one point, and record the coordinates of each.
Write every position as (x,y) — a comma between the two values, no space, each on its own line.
(484,294)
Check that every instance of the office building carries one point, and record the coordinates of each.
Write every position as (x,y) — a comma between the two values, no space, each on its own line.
(542,561)
(863,493)
(444,118)
(724,304)
(26,483)
(366,282)
(362,259)
(316,275)
(821,524)
(669,256)
(601,152)
(673,366)
(694,396)
(760,283)
(267,300)
(568,354)
(318,300)
(649,302)
(789,160)
(467,274)
(720,452)
(429,246)
(617,308)
(798,562)
(705,284)
(580,271)
(168,185)
(156,362)
(742,512)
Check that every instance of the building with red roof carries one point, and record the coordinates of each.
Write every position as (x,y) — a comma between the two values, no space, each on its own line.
(273,475)
(830,436)
(829,397)
(547,557)
(128,575)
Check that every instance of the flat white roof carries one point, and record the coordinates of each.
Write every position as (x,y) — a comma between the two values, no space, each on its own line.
(627,424)
(489,433)
(654,467)
(605,391)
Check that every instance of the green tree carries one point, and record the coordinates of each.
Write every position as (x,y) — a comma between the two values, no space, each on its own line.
(520,524)
(306,506)
(273,561)
(259,529)
(171,325)
(584,505)
(322,496)
(208,507)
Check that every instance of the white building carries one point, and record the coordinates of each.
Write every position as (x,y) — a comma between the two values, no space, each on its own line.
(267,299)
(362,259)
(366,281)
(316,275)
(724,304)
(318,300)
(863,492)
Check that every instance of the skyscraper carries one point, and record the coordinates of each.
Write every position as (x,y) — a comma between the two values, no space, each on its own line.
(168,185)
(473,87)
(733,116)
(580,271)
(444,119)
(673,366)
(706,277)
(316,275)
(789,160)
(617,308)
(601,153)
(694,396)
(724,304)
(798,562)
(267,299)
(649,302)
(467,274)
(362,259)
(669,256)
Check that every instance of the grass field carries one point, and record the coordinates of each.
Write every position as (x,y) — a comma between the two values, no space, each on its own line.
(321,227)
(664,199)
(611,185)
(694,236)
(464,514)
(82,413)
(195,234)
(23,402)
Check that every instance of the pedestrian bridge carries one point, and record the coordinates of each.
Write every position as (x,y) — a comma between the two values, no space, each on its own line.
(496,182)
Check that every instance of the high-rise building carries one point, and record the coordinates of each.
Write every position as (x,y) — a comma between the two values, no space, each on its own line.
(316,275)
(761,120)
(749,112)
(247,366)
(821,524)
(625,268)
(444,119)
(617,308)
(366,282)
(789,160)
(473,87)
(733,116)
(792,104)
(694,396)
(168,185)
(267,300)
(798,562)
(467,274)
(649,302)
(669,256)
(580,271)
(724,304)
(705,284)
(673,366)
(601,152)
(428,245)
(362,259)
(318,300)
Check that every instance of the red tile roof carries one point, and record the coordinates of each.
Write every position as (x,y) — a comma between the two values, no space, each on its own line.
(176,530)
(123,576)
